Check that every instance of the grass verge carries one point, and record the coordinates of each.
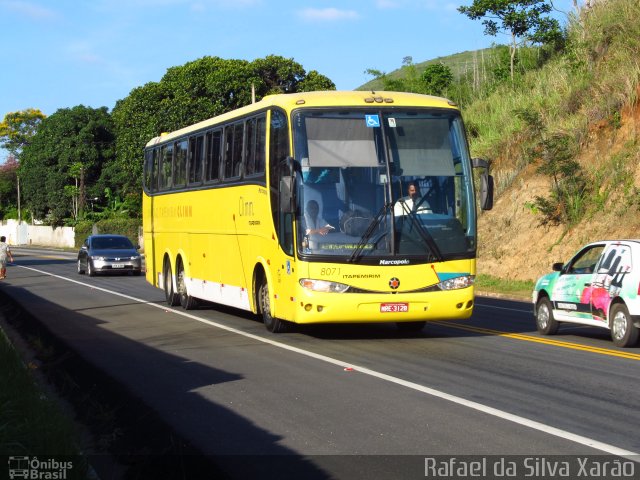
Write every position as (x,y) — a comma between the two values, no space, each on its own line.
(32,424)
(514,288)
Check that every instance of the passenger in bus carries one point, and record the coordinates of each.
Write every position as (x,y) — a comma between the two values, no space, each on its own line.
(413,202)
(314,223)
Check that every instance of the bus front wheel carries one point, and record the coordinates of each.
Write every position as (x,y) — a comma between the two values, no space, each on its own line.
(273,324)
(171,296)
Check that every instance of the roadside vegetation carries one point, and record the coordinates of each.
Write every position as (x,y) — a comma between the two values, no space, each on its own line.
(31,424)
(84,164)
(546,115)
(536,106)
(517,289)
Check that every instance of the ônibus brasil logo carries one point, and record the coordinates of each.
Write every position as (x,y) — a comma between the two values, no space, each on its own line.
(32,468)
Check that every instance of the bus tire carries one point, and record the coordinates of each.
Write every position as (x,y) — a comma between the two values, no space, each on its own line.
(170,295)
(273,324)
(623,332)
(187,301)
(545,323)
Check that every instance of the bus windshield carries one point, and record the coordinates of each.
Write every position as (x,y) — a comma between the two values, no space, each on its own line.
(388,184)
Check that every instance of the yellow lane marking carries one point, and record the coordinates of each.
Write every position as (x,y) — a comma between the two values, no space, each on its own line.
(546,341)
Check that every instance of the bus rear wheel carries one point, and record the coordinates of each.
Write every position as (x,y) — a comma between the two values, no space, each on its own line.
(171,296)
(273,324)
(187,301)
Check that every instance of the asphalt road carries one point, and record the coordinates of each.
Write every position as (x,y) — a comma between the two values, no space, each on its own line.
(345,401)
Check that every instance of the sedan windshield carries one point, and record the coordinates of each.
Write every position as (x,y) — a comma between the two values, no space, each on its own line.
(111,243)
(384,183)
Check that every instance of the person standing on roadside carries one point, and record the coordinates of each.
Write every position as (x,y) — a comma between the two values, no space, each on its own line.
(5,252)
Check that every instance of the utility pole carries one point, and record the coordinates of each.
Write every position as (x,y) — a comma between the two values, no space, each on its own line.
(19,212)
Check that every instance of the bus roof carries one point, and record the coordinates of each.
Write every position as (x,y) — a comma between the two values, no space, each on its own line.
(329,98)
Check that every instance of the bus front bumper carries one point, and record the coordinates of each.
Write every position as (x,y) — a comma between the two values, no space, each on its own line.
(313,307)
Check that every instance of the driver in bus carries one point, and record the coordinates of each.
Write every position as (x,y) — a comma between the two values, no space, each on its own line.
(413,202)
(315,224)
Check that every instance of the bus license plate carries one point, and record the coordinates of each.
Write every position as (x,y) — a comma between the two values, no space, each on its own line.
(117,265)
(394,307)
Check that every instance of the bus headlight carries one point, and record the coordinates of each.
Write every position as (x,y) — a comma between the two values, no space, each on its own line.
(323,286)
(457,282)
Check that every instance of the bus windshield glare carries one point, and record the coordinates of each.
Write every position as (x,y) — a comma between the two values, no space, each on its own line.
(383,184)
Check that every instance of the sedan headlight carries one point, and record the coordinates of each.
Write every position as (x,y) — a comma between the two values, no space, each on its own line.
(457,282)
(323,286)
(100,259)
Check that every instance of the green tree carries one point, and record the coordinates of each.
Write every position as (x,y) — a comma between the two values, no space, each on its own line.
(569,188)
(18,128)
(63,162)
(191,93)
(436,78)
(523,20)
(8,182)
(406,79)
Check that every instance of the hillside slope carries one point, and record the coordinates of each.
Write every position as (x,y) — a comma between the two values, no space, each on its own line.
(514,245)
(589,98)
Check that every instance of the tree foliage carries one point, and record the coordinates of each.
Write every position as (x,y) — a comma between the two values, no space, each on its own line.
(522,20)
(17,128)
(434,79)
(68,150)
(557,160)
(191,93)
(437,78)
(8,184)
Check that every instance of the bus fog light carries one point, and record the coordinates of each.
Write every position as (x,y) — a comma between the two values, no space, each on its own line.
(457,282)
(308,307)
(320,308)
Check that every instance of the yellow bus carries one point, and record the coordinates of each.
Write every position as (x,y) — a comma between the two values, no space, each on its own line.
(318,207)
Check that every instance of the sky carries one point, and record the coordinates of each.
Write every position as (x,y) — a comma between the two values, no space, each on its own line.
(64,53)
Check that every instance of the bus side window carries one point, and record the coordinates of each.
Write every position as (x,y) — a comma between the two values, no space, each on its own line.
(148,170)
(256,143)
(233,136)
(154,170)
(166,164)
(180,164)
(261,144)
(236,162)
(228,152)
(250,156)
(196,157)
(212,167)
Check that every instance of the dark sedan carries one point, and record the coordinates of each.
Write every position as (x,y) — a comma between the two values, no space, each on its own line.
(109,253)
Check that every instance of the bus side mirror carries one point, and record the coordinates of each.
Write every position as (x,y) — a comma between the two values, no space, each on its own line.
(286,194)
(486,184)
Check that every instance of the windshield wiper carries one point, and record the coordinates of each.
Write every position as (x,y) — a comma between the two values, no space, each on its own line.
(424,234)
(369,232)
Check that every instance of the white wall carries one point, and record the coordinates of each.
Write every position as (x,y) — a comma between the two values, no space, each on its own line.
(25,234)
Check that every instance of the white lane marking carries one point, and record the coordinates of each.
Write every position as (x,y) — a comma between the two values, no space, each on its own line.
(589,442)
